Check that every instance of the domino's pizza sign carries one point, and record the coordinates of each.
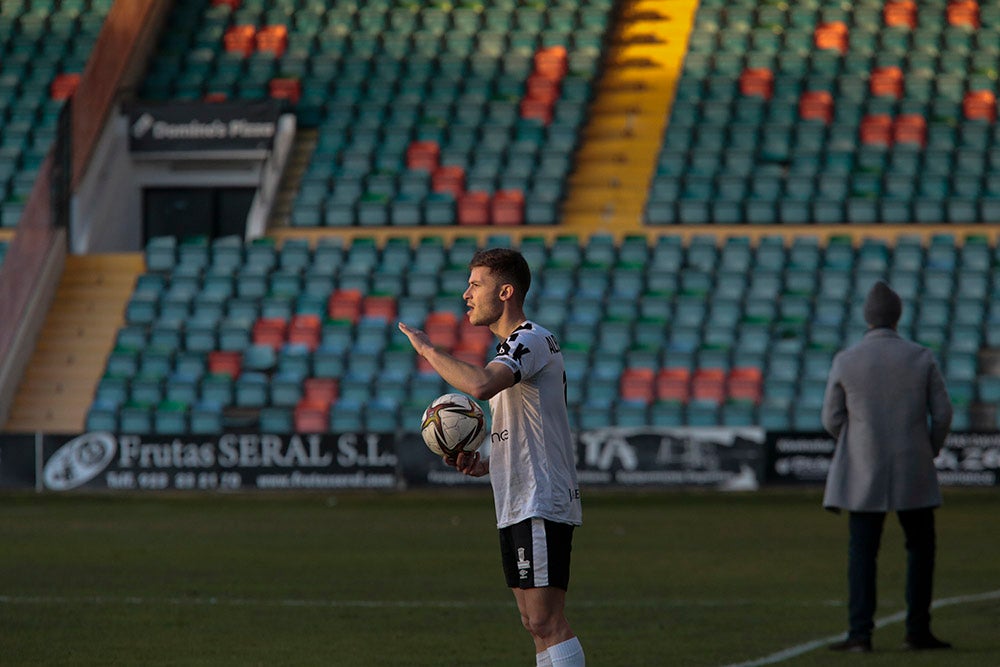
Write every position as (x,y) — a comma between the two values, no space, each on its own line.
(200,126)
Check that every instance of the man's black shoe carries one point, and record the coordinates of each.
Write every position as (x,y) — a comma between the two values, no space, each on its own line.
(859,645)
(924,642)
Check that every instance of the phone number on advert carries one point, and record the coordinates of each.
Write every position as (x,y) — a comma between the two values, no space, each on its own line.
(182,480)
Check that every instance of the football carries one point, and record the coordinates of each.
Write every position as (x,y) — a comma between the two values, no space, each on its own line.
(453,423)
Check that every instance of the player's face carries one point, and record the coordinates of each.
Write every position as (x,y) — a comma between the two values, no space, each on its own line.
(483,297)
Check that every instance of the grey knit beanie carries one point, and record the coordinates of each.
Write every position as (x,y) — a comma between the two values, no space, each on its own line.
(882,306)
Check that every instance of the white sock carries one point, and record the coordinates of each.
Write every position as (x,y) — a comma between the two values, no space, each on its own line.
(543,660)
(567,654)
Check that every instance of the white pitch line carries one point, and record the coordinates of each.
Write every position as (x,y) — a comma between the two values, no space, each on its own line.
(215,601)
(794,651)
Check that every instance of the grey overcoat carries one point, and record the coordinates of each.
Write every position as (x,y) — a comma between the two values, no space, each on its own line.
(887,405)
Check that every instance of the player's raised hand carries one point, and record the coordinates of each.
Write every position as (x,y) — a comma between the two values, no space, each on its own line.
(418,339)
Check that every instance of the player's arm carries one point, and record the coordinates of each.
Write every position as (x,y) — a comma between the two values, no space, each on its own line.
(476,381)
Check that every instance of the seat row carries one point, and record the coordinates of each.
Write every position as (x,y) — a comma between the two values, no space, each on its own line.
(623,312)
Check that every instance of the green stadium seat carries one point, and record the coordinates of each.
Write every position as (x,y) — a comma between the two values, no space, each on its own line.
(102,415)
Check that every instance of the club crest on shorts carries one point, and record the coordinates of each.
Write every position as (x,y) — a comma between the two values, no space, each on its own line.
(523,564)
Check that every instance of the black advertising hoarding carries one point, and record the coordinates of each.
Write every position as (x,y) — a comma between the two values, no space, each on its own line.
(422,468)
(202,126)
(721,458)
(798,458)
(18,462)
(229,462)
(970,459)
(724,458)
(967,459)
(641,457)
(631,457)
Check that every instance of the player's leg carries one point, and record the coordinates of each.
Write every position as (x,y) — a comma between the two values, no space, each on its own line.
(536,556)
(541,654)
(542,614)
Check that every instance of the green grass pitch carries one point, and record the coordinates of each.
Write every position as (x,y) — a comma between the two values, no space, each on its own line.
(659,578)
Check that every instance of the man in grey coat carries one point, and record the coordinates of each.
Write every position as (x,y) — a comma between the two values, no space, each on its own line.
(887,405)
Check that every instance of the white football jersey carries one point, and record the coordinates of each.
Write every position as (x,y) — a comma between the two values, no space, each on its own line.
(532,461)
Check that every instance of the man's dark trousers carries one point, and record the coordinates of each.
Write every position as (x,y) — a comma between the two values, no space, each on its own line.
(866,536)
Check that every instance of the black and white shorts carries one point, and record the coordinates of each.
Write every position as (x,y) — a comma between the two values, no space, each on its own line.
(535,553)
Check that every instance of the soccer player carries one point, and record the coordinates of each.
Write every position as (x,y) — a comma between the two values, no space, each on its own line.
(531,464)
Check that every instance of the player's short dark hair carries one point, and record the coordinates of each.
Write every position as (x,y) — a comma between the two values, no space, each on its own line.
(508,265)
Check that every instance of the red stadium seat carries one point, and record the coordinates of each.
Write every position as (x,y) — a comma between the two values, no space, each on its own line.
(552,62)
(63,86)
(424,155)
(507,208)
(833,35)
(709,384)
(285,89)
(541,110)
(381,306)
(240,39)
(757,81)
(344,305)
(980,105)
(449,178)
(311,417)
(320,391)
(225,362)
(876,129)
(816,105)
(900,13)
(886,82)
(963,13)
(673,384)
(638,384)
(270,331)
(474,208)
(442,328)
(745,383)
(305,329)
(910,129)
(272,39)
(540,87)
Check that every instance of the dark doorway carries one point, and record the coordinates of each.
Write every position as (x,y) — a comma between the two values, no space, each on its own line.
(185,212)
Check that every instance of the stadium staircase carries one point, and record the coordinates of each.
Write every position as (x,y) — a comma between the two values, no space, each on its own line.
(620,144)
(76,339)
(298,162)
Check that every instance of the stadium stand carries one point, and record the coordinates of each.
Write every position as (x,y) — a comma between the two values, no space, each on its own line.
(424,113)
(43,49)
(736,352)
(827,113)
